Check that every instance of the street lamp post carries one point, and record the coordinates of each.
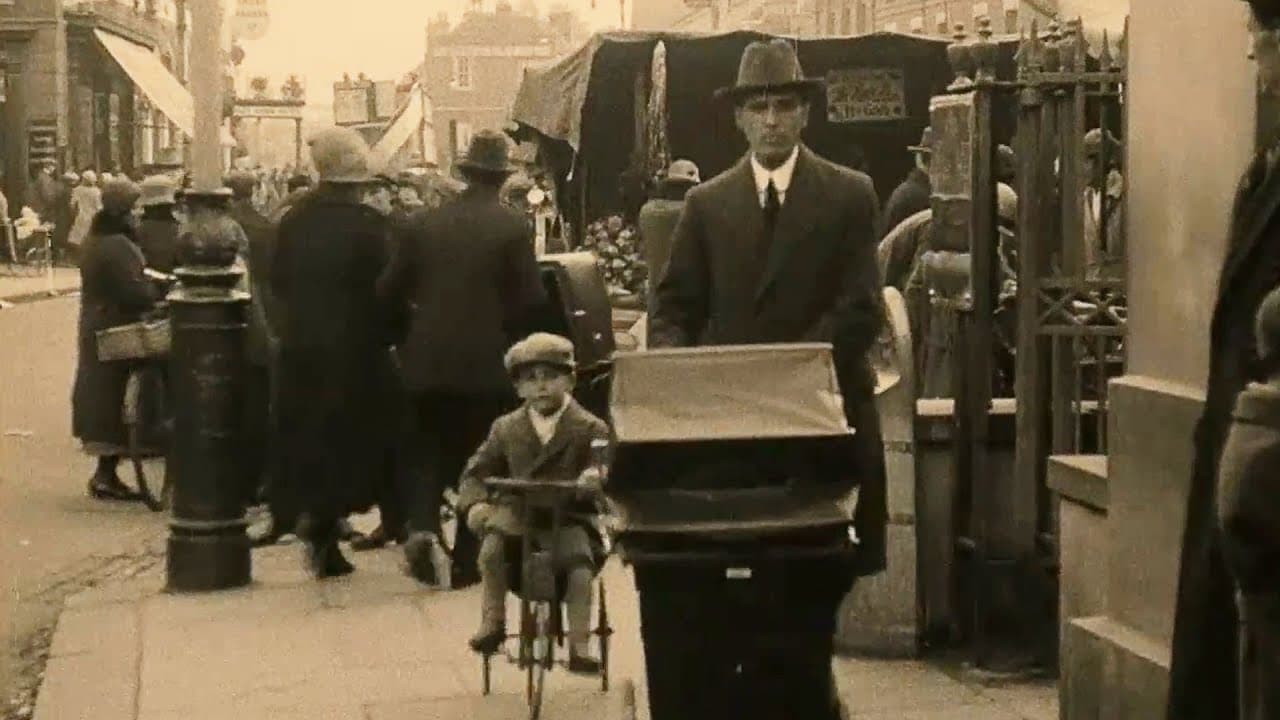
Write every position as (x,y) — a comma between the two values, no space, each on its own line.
(208,547)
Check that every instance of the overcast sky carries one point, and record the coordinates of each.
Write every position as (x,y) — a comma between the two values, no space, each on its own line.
(381,38)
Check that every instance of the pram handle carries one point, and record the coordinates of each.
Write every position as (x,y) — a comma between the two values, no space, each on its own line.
(682,557)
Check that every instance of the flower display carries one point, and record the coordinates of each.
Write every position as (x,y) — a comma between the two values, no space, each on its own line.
(616,246)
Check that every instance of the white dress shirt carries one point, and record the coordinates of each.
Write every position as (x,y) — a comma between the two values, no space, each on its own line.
(781,177)
(545,425)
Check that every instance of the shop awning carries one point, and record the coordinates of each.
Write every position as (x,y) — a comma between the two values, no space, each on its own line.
(156,82)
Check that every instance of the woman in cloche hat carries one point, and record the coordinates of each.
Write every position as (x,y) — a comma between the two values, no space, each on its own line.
(336,378)
(114,291)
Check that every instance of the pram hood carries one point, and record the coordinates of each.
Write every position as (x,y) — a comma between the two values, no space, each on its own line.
(744,392)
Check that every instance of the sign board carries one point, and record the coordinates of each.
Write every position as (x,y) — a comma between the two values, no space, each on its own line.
(350,104)
(865,95)
(255,110)
(384,99)
(251,19)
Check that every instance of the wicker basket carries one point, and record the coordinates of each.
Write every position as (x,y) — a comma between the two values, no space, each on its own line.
(134,341)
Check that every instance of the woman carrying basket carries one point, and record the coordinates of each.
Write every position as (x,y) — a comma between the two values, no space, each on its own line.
(114,292)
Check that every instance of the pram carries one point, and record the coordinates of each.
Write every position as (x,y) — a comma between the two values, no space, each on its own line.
(734,484)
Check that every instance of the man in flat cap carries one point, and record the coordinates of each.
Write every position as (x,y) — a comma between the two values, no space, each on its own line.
(782,248)
(1217,672)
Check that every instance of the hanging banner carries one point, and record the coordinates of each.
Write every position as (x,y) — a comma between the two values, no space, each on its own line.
(865,95)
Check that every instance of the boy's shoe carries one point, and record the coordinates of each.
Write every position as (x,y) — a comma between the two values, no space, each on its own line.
(583,664)
(489,639)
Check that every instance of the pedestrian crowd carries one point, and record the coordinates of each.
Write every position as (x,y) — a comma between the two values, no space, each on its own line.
(383,347)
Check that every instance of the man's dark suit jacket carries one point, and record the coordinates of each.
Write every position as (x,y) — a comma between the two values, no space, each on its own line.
(469,271)
(818,280)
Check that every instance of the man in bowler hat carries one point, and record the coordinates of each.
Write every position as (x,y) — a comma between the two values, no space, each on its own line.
(912,195)
(468,273)
(782,248)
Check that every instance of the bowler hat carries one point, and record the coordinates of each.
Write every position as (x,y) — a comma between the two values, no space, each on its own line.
(683,171)
(540,349)
(771,66)
(488,153)
(926,142)
(340,156)
(119,195)
(158,190)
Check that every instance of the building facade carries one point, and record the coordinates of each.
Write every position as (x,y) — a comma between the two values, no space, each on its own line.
(90,84)
(473,71)
(825,18)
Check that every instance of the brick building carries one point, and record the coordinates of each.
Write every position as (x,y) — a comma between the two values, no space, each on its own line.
(473,71)
(91,84)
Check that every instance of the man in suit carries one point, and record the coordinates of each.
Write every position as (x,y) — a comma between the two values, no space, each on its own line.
(912,195)
(782,248)
(468,273)
(1203,677)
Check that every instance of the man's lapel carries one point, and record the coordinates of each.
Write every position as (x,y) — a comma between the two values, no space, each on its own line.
(1257,210)
(795,220)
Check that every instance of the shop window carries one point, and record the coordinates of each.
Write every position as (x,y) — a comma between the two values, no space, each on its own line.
(846,21)
(941,20)
(862,18)
(1011,21)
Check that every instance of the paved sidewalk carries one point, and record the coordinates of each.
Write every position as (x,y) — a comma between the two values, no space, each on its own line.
(378,646)
(16,287)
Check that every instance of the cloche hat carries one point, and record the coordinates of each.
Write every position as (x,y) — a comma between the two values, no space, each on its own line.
(771,66)
(540,349)
(683,171)
(158,190)
(341,156)
(119,195)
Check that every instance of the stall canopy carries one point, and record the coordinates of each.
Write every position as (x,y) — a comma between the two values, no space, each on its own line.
(413,118)
(591,104)
(156,82)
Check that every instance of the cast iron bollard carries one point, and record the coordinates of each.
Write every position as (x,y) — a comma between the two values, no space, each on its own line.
(208,547)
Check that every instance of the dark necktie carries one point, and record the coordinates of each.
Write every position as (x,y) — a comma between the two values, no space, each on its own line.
(771,207)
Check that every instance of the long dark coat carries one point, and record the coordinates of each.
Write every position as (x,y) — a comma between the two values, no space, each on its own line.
(817,281)
(261,238)
(158,238)
(113,291)
(468,270)
(1203,677)
(907,199)
(336,382)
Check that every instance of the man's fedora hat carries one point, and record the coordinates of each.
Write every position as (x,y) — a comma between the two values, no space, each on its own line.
(488,153)
(770,67)
(926,142)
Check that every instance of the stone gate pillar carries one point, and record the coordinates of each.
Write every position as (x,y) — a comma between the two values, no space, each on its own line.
(1190,85)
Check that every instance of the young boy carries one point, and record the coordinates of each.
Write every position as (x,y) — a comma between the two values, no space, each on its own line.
(1249,519)
(548,438)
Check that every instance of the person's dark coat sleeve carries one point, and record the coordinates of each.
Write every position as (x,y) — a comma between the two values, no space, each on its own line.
(527,299)
(681,302)
(123,270)
(396,283)
(855,319)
